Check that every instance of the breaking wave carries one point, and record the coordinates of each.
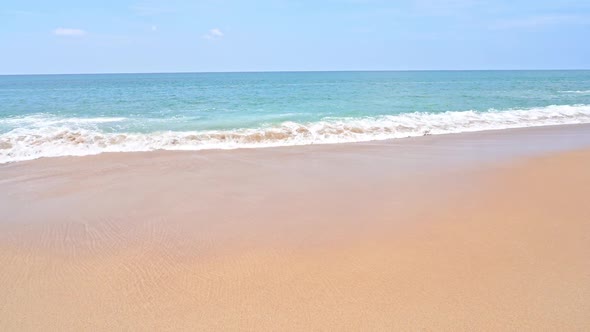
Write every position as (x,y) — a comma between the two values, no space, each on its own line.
(39,120)
(577,92)
(67,137)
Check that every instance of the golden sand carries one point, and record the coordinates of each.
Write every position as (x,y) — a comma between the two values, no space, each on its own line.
(302,239)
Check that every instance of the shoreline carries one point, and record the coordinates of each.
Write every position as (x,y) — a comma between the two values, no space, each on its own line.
(467,231)
(26,143)
(580,129)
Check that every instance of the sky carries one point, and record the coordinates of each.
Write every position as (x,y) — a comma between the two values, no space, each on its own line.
(73,36)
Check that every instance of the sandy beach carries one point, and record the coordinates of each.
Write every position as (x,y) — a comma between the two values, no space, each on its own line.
(475,231)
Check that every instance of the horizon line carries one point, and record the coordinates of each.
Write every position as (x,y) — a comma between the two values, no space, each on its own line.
(289,71)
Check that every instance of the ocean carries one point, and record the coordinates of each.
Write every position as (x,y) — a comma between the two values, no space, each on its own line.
(75,115)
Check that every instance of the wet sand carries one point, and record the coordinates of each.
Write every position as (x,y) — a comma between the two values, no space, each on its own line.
(482,231)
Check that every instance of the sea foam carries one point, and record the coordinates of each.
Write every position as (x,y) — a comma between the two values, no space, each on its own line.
(40,136)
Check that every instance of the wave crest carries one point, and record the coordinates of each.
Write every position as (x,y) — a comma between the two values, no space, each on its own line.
(61,139)
(579,92)
(40,120)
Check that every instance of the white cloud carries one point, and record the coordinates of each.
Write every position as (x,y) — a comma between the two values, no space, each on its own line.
(69,32)
(214,34)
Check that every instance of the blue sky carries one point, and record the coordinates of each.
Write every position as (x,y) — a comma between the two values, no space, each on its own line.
(72,36)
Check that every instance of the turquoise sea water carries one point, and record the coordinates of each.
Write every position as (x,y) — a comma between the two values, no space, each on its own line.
(56,115)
